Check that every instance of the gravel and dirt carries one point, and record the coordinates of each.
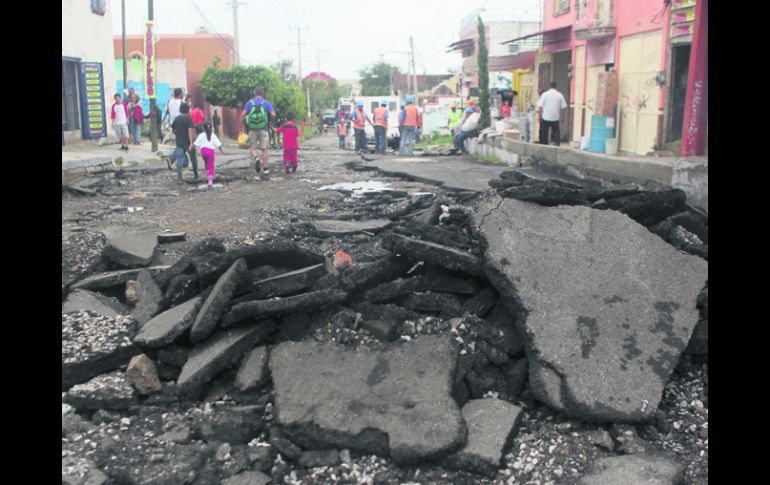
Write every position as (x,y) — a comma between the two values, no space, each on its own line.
(169,440)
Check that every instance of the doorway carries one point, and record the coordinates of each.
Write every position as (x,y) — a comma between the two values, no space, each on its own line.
(561,62)
(680,66)
(70,116)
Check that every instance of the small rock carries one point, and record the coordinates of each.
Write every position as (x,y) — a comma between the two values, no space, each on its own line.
(602,439)
(143,374)
(223,452)
(248,478)
(345,456)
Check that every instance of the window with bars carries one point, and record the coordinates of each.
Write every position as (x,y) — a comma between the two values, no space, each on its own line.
(560,6)
(70,113)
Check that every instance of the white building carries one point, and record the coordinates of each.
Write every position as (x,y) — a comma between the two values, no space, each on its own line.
(88,66)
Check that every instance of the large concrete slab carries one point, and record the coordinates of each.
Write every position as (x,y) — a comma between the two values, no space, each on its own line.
(608,306)
(452,173)
(396,401)
(218,301)
(166,327)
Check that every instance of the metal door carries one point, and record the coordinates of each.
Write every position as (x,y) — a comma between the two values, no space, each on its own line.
(640,60)
(70,118)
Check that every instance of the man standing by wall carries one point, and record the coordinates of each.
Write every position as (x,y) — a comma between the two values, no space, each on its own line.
(257,114)
(550,106)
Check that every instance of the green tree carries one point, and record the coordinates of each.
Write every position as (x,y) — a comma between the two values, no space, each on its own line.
(285,69)
(375,79)
(233,86)
(323,94)
(483,61)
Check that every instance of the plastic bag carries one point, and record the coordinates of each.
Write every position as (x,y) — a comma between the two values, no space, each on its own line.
(243,140)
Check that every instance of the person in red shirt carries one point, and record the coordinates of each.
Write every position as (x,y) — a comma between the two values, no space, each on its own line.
(290,143)
(506,109)
(198,118)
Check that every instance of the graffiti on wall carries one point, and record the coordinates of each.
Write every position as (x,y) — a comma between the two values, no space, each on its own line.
(695,107)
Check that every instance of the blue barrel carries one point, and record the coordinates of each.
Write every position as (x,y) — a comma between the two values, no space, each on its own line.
(600,132)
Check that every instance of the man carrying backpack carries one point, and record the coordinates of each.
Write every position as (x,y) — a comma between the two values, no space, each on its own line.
(256,116)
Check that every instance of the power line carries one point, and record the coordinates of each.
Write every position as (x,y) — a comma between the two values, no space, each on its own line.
(240,59)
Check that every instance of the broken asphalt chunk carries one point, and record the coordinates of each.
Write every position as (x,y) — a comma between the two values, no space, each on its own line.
(149,296)
(129,249)
(327,396)
(392,289)
(648,208)
(184,264)
(490,422)
(218,301)
(253,371)
(92,344)
(288,283)
(82,300)
(109,279)
(106,391)
(636,469)
(445,304)
(169,237)
(220,351)
(332,227)
(167,326)
(431,253)
(608,306)
(280,306)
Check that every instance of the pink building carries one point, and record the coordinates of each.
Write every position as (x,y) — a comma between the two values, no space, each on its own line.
(648,43)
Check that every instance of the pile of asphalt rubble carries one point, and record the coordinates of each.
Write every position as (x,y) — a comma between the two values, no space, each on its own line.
(434,355)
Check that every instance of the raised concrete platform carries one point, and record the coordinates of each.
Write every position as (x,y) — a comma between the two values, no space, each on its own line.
(580,163)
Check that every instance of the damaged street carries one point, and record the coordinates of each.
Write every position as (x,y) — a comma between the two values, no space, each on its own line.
(381,320)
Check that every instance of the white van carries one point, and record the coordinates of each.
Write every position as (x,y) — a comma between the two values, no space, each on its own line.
(372,102)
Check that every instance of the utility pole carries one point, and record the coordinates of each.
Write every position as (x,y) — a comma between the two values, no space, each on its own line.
(236,43)
(318,62)
(299,50)
(153,109)
(125,66)
(414,71)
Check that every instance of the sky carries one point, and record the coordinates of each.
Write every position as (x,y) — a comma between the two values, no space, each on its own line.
(340,36)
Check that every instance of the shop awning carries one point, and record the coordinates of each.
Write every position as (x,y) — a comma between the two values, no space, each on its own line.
(460,45)
(539,38)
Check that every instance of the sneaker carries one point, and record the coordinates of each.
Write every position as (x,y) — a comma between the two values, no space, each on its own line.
(266,171)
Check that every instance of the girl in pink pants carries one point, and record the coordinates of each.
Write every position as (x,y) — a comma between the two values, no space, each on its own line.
(208,143)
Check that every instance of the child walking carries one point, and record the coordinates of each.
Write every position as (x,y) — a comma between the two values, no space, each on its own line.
(290,143)
(208,143)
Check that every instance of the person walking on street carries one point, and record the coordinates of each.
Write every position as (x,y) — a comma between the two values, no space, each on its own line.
(172,107)
(197,116)
(208,143)
(184,132)
(291,146)
(380,126)
(409,118)
(257,114)
(550,106)
(120,122)
(216,121)
(359,123)
(342,130)
(453,119)
(136,117)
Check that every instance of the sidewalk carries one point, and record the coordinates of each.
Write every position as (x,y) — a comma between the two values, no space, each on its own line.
(580,163)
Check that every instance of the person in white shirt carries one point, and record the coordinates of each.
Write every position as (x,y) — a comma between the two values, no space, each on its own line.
(208,143)
(549,109)
(119,118)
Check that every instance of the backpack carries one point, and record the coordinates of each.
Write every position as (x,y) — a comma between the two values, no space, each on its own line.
(257,117)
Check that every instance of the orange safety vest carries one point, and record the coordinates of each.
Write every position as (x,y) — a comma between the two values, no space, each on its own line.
(360,121)
(410,118)
(379,116)
(342,129)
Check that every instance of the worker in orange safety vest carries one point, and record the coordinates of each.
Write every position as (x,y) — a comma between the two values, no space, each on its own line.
(380,126)
(410,119)
(359,123)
